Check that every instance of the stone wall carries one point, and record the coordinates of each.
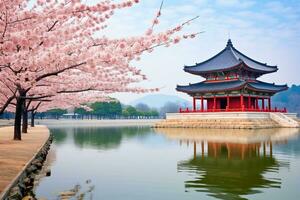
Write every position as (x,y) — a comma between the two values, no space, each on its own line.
(219,120)
(218,123)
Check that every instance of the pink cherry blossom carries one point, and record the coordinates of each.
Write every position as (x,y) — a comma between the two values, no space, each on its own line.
(49,51)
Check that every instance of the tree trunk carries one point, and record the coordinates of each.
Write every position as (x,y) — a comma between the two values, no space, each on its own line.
(25,118)
(32,118)
(18,118)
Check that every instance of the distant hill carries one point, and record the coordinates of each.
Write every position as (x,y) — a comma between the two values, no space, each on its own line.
(289,99)
(159,100)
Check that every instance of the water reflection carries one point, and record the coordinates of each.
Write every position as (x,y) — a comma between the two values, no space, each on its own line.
(60,135)
(143,163)
(230,164)
(98,138)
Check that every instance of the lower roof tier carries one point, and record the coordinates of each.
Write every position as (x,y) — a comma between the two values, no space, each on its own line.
(210,87)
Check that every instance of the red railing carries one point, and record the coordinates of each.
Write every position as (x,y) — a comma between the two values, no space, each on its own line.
(187,110)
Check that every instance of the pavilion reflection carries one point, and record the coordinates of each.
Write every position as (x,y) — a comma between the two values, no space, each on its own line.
(230,164)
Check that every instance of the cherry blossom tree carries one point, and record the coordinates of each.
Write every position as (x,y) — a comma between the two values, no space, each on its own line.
(53,50)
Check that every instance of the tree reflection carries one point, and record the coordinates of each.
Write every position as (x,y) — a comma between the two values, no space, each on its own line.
(99,137)
(59,135)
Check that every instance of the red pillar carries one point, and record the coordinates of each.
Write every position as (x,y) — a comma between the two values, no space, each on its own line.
(263,103)
(242,102)
(269,103)
(194,104)
(215,103)
(249,102)
(202,105)
(256,103)
(228,102)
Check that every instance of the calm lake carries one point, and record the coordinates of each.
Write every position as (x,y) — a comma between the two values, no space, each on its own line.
(138,163)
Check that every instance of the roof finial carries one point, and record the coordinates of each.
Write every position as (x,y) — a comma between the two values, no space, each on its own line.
(229,43)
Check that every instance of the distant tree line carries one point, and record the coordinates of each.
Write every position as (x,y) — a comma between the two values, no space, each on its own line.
(109,110)
(104,110)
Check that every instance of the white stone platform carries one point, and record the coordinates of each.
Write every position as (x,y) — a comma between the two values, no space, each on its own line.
(218,115)
(240,120)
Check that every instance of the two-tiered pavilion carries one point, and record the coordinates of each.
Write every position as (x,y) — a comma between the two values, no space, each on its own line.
(231,83)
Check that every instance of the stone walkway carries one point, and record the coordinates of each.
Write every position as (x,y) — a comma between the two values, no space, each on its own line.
(14,155)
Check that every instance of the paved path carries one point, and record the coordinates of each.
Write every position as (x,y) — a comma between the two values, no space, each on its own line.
(15,154)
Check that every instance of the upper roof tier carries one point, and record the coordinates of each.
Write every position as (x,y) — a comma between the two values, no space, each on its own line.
(230,59)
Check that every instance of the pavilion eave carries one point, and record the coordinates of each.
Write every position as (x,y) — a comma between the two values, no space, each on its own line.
(241,65)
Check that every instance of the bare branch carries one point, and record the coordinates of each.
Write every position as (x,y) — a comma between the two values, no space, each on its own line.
(9,101)
(53,25)
(6,23)
(36,97)
(75,91)
(58,72)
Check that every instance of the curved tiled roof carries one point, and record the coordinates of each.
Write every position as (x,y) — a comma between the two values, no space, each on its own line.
(211,86)
(230,85)
(263,86)
(229,58)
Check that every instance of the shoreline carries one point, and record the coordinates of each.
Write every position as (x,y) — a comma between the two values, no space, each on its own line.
(88,122)
(23,162)
(97,123)
(6,122)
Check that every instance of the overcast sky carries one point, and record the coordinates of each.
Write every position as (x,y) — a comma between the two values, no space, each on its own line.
(268,31)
